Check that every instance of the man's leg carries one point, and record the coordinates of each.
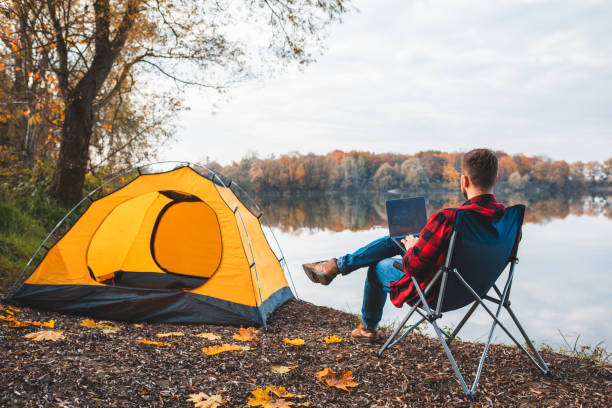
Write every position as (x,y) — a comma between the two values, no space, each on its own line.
(368,255)
(375,293)
(372,253)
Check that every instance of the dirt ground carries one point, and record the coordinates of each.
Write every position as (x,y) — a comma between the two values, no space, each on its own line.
(90,368)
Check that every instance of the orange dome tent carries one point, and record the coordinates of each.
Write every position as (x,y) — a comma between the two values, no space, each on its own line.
(176,246)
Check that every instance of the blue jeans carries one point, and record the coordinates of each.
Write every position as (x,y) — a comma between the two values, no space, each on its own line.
(377,256)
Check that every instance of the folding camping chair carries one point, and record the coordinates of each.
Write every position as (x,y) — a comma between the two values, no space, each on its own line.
(479,250)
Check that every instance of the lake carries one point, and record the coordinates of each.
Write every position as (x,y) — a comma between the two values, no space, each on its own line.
(562,282)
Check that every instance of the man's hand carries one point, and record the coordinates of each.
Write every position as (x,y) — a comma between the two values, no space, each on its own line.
(409,241)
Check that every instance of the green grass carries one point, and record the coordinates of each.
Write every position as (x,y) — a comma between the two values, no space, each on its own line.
(24,222)
(575,349)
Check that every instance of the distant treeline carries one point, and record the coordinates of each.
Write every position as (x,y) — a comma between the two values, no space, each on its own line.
(342,171)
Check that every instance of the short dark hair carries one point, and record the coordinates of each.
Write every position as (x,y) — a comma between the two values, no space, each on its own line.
(481,166)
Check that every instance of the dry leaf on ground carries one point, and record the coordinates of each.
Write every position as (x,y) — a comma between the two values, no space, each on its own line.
(329,377)
(294,342)
(170,334)
(280,391)
(106,326)
(207,336)
(283,369)
(264,399)
(52,335)
(247,334)
(212,350)
(202,400)
(333,339)
(154,343)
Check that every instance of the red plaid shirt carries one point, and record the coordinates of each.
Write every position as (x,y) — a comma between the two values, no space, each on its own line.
(427,255)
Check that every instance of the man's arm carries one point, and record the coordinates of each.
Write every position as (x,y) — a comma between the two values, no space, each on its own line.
(422,253)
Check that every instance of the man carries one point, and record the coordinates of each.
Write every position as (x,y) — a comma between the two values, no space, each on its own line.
(424,255)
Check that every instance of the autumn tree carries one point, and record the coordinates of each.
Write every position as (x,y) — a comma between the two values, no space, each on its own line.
(96,49)
(386,177)
(412,173)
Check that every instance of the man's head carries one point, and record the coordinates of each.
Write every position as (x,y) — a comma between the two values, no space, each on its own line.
(478,172)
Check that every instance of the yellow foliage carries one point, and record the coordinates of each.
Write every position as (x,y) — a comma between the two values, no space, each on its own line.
(294,342)
(209,351)
(88,323)
(154,343)
(170,334)
(207,336)
(246,334)
(52,335)
(333,339)
(105,326)
(264,399)
(202,400)
(283,369)
(327,376)
(280,391)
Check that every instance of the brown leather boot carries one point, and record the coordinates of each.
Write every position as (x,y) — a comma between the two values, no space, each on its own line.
(322,272)
(367,336)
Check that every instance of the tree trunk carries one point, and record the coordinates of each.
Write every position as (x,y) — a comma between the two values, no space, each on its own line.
(74,151)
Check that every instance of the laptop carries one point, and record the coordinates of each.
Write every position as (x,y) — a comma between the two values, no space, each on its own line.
(406,216)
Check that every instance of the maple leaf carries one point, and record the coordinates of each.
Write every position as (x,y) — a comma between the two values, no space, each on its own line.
(52,335)
(209,351)
(202,400)
(170,334)
(105,326)
(207,336)
(345,380)
(261,397)
(246,334)
(154,343)
(88,323)
(333,339)
(283,369)
(280,391)
(50,323)
(14,309)
(294,342)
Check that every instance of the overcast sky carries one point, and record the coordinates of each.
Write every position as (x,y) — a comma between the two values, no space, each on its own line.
(529,76)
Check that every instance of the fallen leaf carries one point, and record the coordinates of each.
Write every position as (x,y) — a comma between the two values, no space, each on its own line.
(154,343)
(88,323)
(345,380)
(207,336)
(138,325)
(53,335)
(14,309)
(106,326)
(332,339)
(280,391)
(262,397)
(283,369)
(294,342)
(202,400)
(247,334)
(212,350)
(170,334)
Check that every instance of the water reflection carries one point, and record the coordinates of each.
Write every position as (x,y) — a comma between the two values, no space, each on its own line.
(357,212)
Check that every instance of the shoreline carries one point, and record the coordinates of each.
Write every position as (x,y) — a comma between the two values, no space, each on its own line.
(92,368)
